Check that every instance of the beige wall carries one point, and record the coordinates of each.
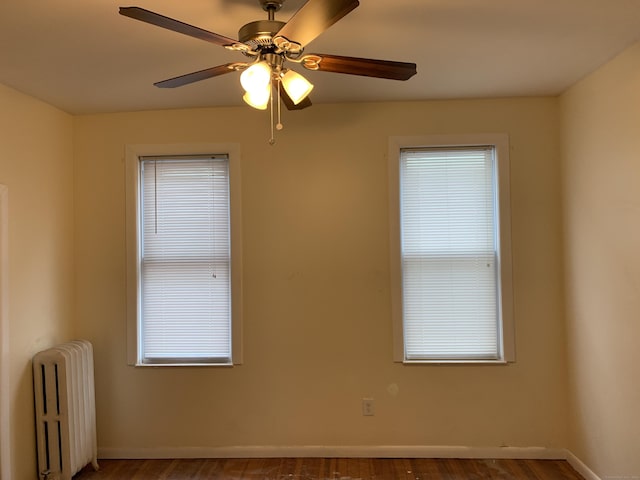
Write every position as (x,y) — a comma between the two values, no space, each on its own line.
(601,156)
(316,275)
(36,164)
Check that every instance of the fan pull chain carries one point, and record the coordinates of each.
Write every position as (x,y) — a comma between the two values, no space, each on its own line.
(272,140)
(278,125)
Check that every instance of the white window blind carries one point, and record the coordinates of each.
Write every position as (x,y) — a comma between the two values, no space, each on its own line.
(185,299)
(449,254)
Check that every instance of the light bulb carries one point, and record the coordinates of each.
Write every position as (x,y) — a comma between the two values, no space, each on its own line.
(258,97)
(296,86)
(257,76)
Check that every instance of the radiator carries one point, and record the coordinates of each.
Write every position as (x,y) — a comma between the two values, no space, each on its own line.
(65,410)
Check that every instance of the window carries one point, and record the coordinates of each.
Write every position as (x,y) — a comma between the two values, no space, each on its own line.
(451,261)
(184,289)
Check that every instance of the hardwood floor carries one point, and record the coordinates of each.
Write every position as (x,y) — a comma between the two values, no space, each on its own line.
(330,469)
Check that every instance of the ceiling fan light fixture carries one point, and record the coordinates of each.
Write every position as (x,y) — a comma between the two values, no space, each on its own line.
(296,86)
(256,77)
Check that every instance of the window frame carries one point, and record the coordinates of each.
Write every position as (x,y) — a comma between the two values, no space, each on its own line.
(506,335)
(133,156)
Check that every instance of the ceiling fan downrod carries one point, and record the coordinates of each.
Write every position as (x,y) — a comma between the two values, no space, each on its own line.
(271,7)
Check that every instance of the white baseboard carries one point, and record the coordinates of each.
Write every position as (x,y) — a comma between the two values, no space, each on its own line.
(365,451)
(580,467)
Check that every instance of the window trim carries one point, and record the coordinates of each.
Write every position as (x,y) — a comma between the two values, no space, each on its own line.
(5,397)
(501,143)
(133,154)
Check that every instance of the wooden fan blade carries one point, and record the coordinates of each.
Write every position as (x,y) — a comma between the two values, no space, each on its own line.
(286,99)
(360,66)
(153,18)
(196,76)
(313,18)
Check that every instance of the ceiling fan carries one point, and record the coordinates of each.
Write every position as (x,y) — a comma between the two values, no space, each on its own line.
(270,45)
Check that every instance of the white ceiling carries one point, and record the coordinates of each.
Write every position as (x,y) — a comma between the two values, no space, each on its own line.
(83,57)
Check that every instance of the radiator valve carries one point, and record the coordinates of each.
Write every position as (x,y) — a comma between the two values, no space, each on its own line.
(47,475)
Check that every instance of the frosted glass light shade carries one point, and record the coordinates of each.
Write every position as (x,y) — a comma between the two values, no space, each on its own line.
(296,86)
(256,77)
(258,97)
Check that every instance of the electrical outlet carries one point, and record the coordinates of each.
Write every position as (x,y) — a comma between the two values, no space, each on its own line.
(367,407)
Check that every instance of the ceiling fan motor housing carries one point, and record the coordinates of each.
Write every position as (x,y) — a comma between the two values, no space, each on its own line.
(259,35)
